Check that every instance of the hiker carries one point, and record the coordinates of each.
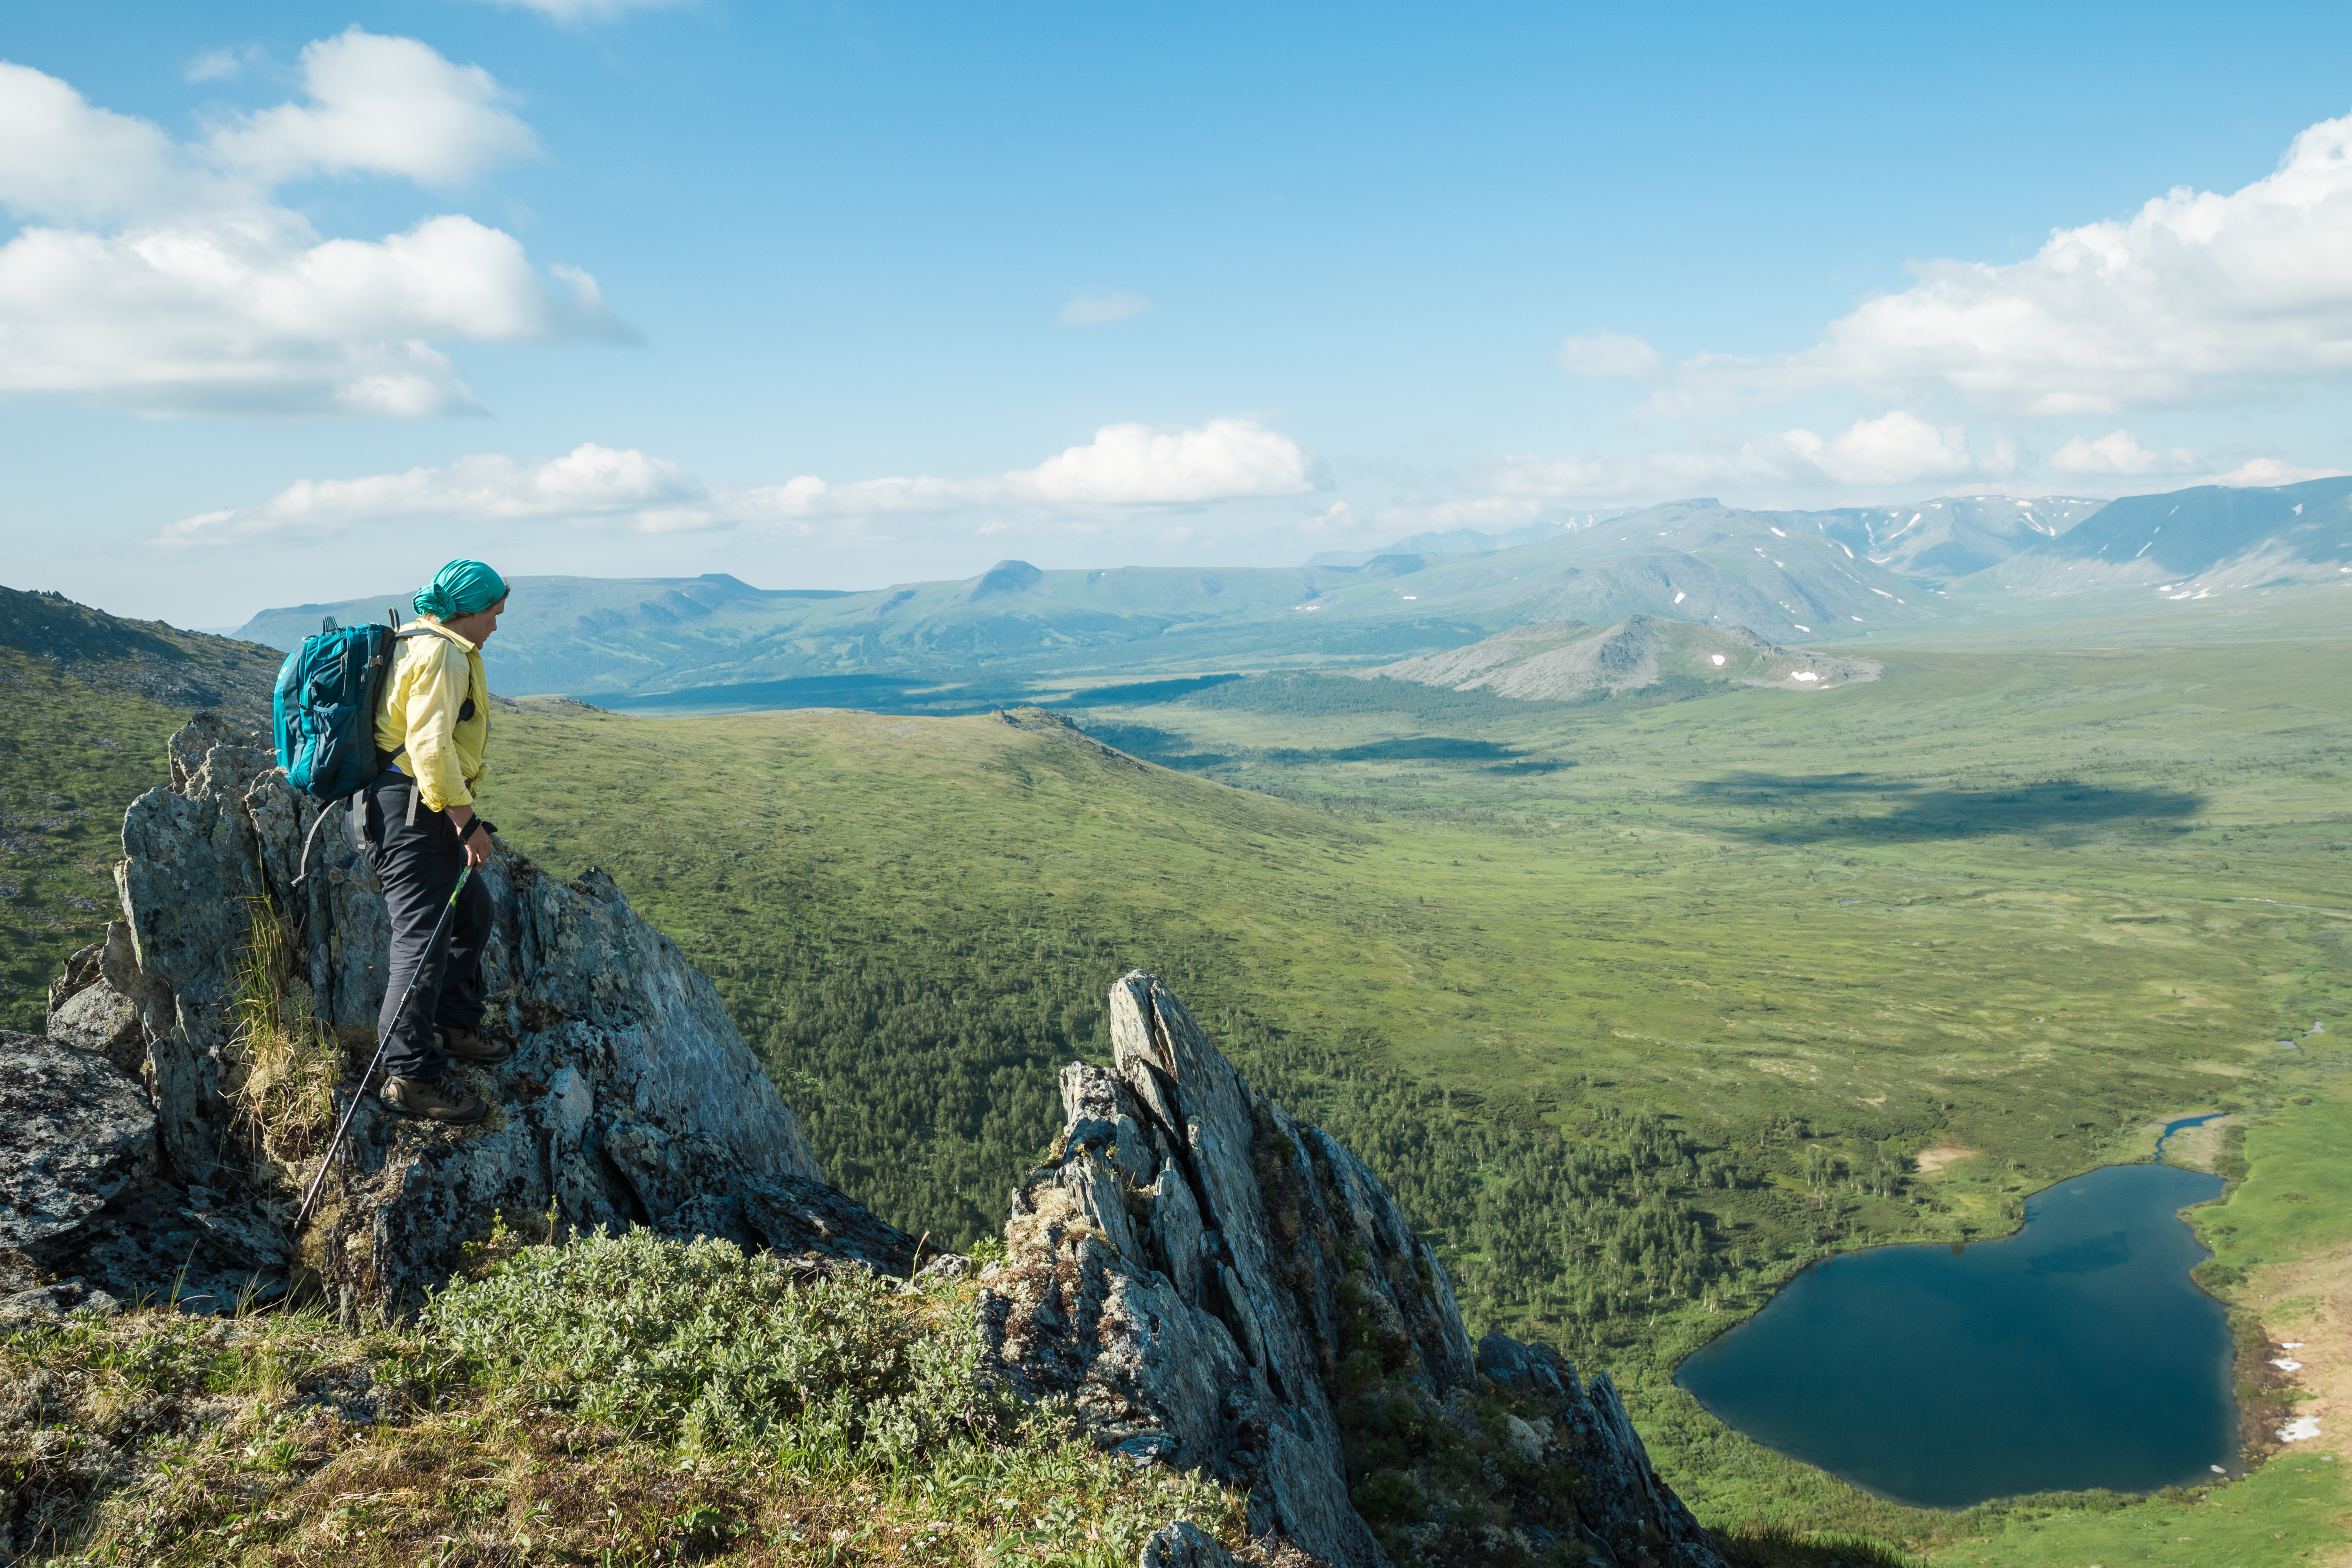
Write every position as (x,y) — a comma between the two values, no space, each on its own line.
(431,729)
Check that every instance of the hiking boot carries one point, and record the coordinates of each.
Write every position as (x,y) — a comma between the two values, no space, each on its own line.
(468,1047)
(434,1101)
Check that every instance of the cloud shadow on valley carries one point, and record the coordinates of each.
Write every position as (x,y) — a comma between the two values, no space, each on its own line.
(1858,807)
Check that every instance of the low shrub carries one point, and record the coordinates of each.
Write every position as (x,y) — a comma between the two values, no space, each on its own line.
(615,1399)
(702,1344)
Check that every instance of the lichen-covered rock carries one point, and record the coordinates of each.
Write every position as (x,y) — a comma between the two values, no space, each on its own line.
(81,968)
(73,1133)
(156,1243)
(66,1296)
(1216,1286)
(630,1097)
(92,1016)
(1184,1544)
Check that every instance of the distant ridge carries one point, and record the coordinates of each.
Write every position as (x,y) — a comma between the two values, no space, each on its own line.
(2194,544)
(162,663)
(623,638)
(1955,535)
(1005,577)
(1789,577)
(1557,660)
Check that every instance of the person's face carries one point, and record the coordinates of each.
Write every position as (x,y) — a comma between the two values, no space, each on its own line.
(477,627)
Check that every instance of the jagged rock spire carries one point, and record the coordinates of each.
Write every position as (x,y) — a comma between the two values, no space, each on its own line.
(1215,1285)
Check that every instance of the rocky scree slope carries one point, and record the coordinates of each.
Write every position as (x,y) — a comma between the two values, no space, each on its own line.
(1215,1285)
(215,1033)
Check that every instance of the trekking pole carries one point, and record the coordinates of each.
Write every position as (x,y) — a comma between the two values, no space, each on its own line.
(385,1039)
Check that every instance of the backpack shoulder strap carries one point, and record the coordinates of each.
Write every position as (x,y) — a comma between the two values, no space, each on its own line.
(426,630)
(447,637)
(399,635)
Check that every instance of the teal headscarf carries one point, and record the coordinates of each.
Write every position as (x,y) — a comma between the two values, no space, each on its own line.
(460,588)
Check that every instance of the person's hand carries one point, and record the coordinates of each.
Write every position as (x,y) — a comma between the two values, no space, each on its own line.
(472,836)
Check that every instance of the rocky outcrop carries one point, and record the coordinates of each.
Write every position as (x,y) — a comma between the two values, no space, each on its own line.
(74,1132)
(1213,1285)
(630,1097)
(1207,1282)
(1624,1513)
(90,1014)
(1184,1544)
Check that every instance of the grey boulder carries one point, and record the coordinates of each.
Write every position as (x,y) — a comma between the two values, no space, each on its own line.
(58,1300)
(100,1019)
(1184,1544)
(74,1131)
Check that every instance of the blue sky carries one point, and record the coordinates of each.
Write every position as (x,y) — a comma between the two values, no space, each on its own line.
(296,302)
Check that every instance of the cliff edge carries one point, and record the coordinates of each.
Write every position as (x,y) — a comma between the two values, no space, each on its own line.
(237,1008)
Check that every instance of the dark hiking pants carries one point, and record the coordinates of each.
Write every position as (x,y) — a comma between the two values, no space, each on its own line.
(417,861)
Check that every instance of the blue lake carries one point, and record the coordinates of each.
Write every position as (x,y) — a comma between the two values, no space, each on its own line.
(2077,1353)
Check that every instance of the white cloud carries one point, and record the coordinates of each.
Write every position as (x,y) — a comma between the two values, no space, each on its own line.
(1894,452)
(1896,448)
(380,105)
(1607,353)
(1125,468)
(2199,297)
(62,159)
(576,11)
(2119,452)
(1334,522)
(1099,308)
(224,64)
(166,277)
(590,484)
(2261,473)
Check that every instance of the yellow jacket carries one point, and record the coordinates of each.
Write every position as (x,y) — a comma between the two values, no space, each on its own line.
(433,679)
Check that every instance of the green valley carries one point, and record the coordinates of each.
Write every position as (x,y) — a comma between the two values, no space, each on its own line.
(1639,1003)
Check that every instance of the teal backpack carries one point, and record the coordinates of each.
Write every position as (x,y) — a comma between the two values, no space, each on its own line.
(323,714)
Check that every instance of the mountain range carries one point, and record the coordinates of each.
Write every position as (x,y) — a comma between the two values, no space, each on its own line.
(716,641)
(2195,544)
